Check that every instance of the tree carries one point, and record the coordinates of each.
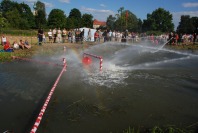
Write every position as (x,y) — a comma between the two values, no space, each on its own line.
(128,21)
(139,25)
(75,16)
(13,18)
(87,20)
(3,21)
(159,20)
(40,15)
(110,22)
(132,23)
(187,24)
(70,23)
(195,24)
(6,5)
(26,16)
(56,19)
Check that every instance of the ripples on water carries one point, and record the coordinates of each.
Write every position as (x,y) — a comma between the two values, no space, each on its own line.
(139,86)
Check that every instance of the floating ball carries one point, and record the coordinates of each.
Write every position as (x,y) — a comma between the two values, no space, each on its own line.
(86,60)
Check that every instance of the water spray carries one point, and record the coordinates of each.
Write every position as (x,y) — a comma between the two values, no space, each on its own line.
(36,61)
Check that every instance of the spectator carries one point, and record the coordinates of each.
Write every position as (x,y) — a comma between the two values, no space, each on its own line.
(82,35)
(194,37)
(50,36)
(44,38)
(15,45)
(70,36)
(89,35)
(96,36)
(27,45)
(40,36)
(3,40)
(21,44)
(7,47)
(64,34)
(54,34)
(59,35)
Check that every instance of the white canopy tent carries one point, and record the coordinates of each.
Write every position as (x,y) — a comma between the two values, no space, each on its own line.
(86,33)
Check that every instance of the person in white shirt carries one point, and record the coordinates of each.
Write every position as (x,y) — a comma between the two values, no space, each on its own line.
(3,40)
(59,35)
(15,45)
(50,36)
(54,34)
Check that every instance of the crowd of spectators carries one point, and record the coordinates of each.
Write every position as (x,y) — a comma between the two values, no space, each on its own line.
(177,39)
(10,47)
(77,35)
(57,35)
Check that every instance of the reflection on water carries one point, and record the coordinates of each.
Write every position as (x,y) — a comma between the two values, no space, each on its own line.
(140,86)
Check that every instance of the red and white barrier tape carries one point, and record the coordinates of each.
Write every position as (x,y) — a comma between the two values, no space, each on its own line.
(95,56)
(40,116)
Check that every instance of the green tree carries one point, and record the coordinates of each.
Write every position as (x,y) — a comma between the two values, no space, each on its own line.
(132,23)
(26,16)
(56,19)
(6,5)
(110,22)
(87,20)
(195,24)
(13,17)
(139,25)
(40,15)
(187,24)
(3,21)
(75,16)
(70,23)
(129,21)
(159,20)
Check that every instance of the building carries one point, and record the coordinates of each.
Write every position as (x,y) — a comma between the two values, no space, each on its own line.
(97,24)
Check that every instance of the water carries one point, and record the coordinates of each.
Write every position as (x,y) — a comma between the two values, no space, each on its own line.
(140,86)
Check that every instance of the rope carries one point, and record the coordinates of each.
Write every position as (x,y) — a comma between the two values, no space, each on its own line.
(40,116)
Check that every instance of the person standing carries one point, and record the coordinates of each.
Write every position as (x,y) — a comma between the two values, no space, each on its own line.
(54,34)
(194,37)
(89,35)
(50,35)
(40,36)
(64,33)
(82,35)
(104,34)
(59,35)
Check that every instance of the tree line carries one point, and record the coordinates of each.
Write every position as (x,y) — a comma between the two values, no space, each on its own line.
(19,16)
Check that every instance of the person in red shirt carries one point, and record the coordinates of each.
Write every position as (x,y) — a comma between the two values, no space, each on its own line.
(96,36)
(7,47)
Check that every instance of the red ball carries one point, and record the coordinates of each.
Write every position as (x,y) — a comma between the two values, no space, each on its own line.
(86,60)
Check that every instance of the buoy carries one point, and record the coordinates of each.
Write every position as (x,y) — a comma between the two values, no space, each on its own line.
(86,60)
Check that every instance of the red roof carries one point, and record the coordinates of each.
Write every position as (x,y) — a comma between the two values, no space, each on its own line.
(101,23)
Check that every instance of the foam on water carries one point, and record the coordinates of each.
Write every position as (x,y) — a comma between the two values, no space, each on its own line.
(121,59)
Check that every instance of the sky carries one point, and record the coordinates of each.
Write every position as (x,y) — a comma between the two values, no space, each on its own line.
(101,9)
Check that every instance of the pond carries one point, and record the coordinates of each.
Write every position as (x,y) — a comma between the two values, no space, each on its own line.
(140,85)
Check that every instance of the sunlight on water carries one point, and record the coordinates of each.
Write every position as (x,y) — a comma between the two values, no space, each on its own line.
(111,76)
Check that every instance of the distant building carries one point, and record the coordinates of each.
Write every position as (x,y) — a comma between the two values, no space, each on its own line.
(97,24)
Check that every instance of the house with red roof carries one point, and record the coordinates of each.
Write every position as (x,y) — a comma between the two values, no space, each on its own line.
(97,23)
